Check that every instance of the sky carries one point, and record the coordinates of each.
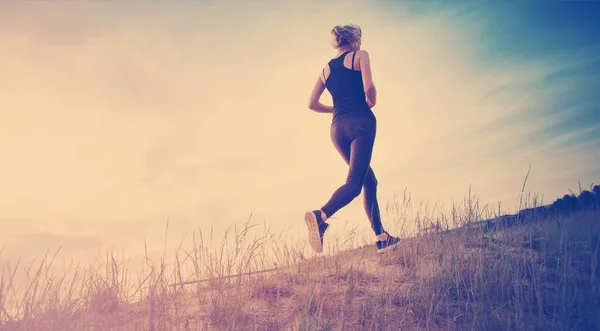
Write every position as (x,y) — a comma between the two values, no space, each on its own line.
(117,117)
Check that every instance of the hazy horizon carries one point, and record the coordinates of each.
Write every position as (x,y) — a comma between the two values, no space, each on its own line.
(117,117)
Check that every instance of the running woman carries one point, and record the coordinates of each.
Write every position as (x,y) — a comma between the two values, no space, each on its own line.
(348,79)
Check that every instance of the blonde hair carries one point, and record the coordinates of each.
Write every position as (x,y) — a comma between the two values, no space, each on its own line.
(346,35)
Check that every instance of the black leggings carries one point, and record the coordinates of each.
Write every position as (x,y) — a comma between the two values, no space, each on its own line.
(354,137)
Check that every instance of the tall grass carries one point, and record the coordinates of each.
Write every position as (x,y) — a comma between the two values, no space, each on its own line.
(452,273)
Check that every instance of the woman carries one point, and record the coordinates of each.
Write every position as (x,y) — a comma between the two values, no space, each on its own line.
(348,78)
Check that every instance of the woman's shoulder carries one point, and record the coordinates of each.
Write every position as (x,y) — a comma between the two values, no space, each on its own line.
(362,52)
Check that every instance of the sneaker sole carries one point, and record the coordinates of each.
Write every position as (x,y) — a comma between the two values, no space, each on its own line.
(389,248)
(313,232)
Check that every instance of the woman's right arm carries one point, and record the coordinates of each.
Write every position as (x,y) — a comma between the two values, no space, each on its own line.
(365,69)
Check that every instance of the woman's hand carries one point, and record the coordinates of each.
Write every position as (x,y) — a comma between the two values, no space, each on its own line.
(370,103)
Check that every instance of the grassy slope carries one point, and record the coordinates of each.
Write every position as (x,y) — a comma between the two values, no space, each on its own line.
(541,275)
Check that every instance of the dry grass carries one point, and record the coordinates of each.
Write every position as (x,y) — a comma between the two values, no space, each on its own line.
(450,275)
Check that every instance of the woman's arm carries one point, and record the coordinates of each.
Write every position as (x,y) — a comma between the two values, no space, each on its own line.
(365,69)
(313,102)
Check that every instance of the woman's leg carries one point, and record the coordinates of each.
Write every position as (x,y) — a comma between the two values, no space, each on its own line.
(354,141)
(370,202)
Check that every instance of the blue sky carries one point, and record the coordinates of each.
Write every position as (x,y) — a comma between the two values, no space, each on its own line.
(565,34)
(117,117)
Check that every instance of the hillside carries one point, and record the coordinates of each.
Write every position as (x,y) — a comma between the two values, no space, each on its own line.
(539,273)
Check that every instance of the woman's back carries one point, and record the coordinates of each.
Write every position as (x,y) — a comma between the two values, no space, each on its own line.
(344,83)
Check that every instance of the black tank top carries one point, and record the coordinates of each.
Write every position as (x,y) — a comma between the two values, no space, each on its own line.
(347,90)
